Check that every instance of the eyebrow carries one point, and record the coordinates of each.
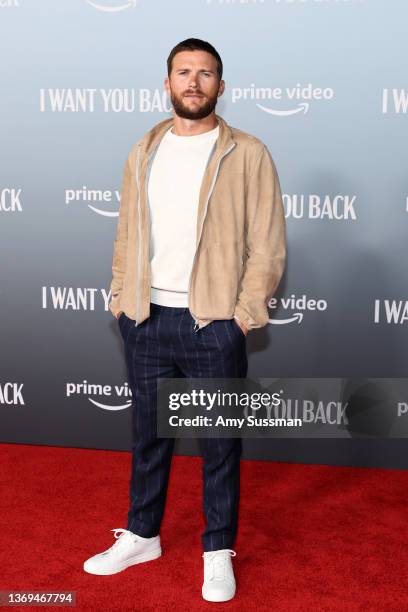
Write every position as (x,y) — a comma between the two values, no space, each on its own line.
(201,70)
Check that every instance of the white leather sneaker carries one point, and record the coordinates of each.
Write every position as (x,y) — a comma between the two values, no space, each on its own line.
(219,581)
(128,549)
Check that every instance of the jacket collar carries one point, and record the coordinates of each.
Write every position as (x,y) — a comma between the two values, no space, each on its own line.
(154,136)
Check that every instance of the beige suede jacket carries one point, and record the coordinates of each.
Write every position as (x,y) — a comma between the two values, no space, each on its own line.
(241,234)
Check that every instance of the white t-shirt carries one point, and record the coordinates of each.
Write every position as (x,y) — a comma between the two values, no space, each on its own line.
(173,192)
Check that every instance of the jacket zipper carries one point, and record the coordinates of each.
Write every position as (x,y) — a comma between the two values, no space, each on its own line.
(196,326)
(139,236)
(139,250)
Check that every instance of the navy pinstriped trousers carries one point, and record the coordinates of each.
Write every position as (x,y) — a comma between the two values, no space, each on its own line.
(166,345)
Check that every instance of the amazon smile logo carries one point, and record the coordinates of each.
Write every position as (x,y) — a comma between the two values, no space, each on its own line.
(110,6)
(105,397)
(299,97)
(298,306)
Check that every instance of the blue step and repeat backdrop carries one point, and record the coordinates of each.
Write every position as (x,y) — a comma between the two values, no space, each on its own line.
(323,83)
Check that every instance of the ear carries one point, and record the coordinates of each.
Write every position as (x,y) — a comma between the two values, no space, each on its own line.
(167,85)
(221,88)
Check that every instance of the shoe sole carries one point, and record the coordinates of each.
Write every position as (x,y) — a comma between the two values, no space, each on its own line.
(216,599)
(150,556)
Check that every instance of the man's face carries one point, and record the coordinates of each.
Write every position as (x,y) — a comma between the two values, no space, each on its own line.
(193,84)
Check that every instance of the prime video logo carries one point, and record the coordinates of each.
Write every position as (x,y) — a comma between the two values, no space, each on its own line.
(301,304)
(300,96)
(94,195)
(85,389)
(111,6)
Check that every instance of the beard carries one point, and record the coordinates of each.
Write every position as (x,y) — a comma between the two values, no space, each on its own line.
(187,113)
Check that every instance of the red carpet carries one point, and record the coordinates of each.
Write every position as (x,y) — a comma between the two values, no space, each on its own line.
(311,538)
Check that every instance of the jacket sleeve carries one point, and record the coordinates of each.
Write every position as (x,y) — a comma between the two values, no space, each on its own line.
(120,243)
(265,239)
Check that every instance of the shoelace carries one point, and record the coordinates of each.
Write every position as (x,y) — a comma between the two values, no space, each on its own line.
(116,531)
(217,562)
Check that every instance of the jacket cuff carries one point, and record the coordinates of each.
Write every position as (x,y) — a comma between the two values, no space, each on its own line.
(241,315)
(114,305)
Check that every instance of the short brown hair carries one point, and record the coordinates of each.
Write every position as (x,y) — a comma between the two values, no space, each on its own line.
(195,44)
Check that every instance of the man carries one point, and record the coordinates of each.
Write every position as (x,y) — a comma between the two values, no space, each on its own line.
(199,250)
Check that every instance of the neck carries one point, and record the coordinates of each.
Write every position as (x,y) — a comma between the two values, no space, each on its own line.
(193,127)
